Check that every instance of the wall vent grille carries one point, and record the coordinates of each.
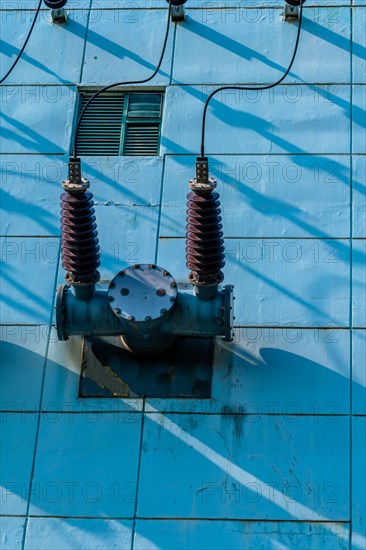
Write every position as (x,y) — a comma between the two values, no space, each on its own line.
(120,123)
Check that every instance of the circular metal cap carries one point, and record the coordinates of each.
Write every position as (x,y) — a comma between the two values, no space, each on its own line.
(143,292)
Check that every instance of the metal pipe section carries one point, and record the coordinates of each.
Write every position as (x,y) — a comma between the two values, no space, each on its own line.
(198,318)
(187,317)
(93,317)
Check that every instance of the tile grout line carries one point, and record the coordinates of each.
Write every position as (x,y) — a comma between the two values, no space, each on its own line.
(136,7)
(40,406)
(173,54)
(178,518)
(229,238)
(319,84)
(180,237)
(351,278)
(190,518)
(325,154)
(160,211)
(138,474)
(164,156)
(189,412)
(85,42)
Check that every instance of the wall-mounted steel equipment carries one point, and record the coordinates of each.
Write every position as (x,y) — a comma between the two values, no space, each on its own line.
(58,12)
(143,304)
(292,9)
(177,11)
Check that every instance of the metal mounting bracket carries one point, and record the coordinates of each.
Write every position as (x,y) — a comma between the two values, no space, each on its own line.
(229,312)
(291,12)
(178,14)
(59,16)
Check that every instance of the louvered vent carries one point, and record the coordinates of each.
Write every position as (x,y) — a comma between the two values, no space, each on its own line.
(142,139)
(120,123)
(100,129)
(143,124)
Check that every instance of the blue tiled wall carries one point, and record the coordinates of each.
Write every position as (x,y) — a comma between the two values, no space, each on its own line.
(276,458)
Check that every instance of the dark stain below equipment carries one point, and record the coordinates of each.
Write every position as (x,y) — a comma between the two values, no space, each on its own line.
(182,371)
(238,416)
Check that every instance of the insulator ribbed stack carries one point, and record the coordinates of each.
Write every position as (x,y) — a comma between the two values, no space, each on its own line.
(205,244)
(79,243)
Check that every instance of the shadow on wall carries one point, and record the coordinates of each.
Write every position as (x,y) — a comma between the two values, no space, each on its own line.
(246,52)
(33,139)
(237,454)
(112,48)
(10,51)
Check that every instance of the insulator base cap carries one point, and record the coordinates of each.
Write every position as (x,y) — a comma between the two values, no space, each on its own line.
(73,279)
(73,188)
(199,187)
(205,280)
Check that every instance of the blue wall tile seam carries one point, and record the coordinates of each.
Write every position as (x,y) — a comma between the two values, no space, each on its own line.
(39,417)
(115,413)
(164,156)
(173,54)
(351,282)
(218,7)
(65,155)
(157,240)
(94,410)
(185,519)
(85,45)
(142,412)
(259,238)
(78,85)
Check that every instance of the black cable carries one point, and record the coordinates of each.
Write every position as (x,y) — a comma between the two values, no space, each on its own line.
(25,43)
(246,88)
(123,83)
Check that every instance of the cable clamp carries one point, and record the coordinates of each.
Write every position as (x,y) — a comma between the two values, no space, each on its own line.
(291,13)
(59,16)
(178,14)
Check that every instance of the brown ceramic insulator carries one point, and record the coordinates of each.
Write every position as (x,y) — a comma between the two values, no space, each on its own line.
(79,244)
(204,238)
